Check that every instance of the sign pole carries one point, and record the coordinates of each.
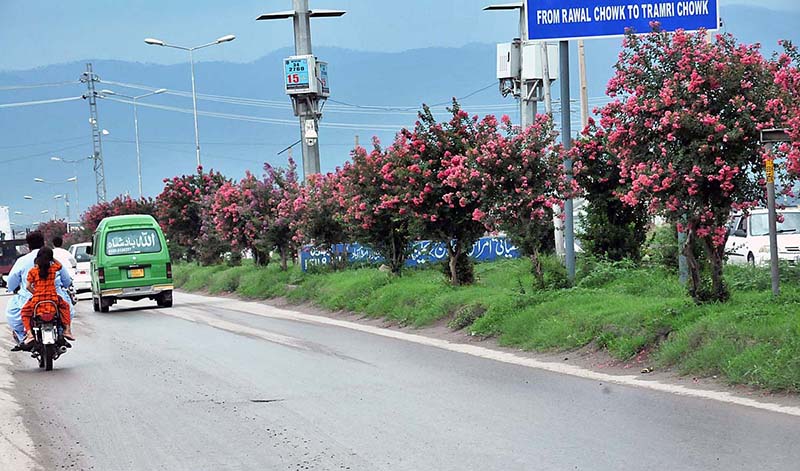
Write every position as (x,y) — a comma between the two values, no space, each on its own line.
(566,139)
(771,138)
(773,227)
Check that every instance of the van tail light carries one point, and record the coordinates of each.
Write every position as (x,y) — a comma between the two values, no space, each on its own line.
(101,275)
(169,270)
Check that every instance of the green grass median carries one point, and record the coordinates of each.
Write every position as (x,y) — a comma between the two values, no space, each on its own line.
(754,339)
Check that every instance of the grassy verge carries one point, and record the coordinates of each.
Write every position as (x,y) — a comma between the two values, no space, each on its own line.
(754,339)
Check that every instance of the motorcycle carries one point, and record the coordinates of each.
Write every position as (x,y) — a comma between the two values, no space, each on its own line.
(49,343)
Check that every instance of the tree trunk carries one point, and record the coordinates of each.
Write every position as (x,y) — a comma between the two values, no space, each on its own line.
(716,257)
(453,251)
(695,281)
(284,258)
(537,268)
(397,254)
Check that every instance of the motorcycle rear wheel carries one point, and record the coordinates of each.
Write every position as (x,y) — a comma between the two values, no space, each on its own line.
(49,351)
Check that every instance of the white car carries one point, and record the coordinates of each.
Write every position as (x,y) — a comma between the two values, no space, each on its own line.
(83,275)
(748,241)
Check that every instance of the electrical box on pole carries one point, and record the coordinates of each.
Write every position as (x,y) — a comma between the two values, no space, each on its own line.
(322,79)
(533,59)
(508,60)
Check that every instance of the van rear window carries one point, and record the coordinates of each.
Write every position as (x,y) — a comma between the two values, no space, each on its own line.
(131,242)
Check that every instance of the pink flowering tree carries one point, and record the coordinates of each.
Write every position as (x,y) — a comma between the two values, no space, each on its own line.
(52,228)
(444,184)
(228,215)
(280,186)
(523,179)
(318,208)
(786,107)
(685,126)
(375,212)
(119,206)
(183,209)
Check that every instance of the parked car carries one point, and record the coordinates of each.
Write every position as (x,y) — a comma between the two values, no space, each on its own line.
(748,240)
(130,260)
(83,274)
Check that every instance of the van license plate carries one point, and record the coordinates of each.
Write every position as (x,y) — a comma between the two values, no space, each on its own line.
(136,273)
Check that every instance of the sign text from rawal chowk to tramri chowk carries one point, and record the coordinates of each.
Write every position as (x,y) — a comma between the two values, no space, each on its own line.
(571,19)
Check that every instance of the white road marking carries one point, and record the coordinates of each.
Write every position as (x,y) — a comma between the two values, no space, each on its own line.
(504,357)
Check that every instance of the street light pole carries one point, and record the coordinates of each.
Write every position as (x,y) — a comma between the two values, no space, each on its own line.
(74,176)
(194,108)
(190,50)
(135,99)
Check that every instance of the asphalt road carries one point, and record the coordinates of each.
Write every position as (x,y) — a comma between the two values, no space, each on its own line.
(214,385)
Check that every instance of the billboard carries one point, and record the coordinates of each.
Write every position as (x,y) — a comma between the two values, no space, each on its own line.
(559,20)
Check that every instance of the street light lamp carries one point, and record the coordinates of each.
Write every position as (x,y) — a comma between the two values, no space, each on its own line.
(190,50)
(74,178)
(104,93)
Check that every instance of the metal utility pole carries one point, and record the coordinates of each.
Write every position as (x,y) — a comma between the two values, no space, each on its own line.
(566,139)
(548,96)
(307,105)
(584,85)
(89,78)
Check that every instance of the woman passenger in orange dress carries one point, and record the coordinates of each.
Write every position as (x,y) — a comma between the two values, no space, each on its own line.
(42,284)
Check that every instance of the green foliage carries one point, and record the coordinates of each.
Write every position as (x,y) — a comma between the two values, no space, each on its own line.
(661,249)
(611,229)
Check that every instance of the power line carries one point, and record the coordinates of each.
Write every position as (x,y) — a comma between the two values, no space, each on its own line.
(257,119)
(40,102)
(344,105)
(40,154)
(38,85)
(34,144)
(219,143)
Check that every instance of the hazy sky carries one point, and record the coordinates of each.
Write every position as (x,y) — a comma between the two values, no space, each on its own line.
(41,32)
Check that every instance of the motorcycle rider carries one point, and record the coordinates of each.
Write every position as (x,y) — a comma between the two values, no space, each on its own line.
(63,256)
(17,284)
(42,285)
(66,259)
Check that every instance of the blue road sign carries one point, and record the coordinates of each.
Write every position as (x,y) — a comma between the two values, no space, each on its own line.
(575,19)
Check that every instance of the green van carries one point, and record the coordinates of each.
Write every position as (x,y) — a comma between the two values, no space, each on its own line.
(130,260)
